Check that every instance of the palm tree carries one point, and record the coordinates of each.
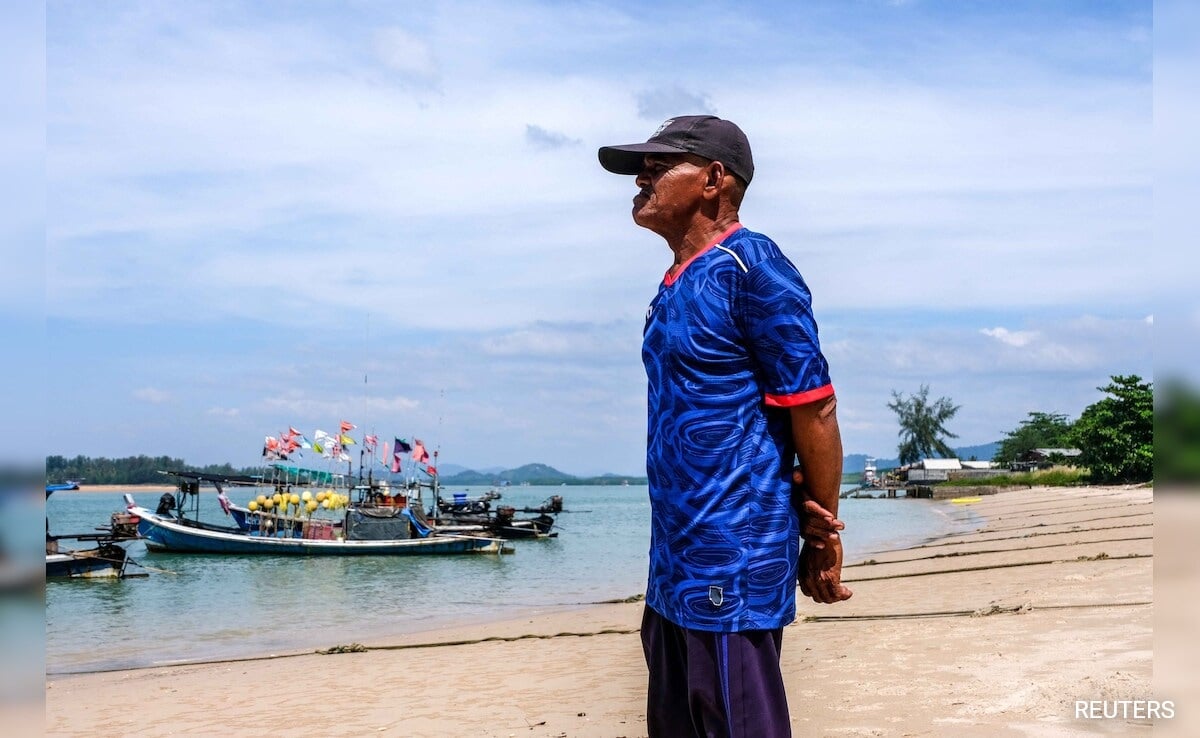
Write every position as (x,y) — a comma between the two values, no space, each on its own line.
(923,425)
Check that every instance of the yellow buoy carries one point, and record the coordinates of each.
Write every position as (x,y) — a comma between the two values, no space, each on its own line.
(321,496)
(261,499)
(311,505)
(325,504)
(252,505)
(295,499)
(306,496)
(269,503)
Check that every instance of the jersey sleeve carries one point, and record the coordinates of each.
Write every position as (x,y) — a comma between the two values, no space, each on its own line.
(782,334)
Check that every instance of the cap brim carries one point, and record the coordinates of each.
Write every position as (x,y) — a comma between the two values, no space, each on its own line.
(628,159)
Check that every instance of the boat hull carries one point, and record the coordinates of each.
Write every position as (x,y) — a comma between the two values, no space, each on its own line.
(166,535)
(101,563)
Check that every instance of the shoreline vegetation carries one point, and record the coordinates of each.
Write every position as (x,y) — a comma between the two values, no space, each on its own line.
(143,471)
(996,631)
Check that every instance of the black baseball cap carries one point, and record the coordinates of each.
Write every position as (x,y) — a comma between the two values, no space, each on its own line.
(704,135)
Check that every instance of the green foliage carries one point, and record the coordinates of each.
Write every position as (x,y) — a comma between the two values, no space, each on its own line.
(1056,477)
(1116,434)
(1176,433)
(1041,430)
(923,425)
(128,470)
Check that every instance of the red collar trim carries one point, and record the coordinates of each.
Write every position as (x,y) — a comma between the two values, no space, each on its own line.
(671,277)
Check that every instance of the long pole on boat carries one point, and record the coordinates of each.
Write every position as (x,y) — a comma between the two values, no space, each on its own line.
(437,493)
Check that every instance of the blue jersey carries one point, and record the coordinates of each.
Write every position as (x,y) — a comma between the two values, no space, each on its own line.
(730,343)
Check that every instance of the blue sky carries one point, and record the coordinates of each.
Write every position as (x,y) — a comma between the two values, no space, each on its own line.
(252,208)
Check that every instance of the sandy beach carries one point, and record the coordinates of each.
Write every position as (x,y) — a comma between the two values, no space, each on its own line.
(994,632)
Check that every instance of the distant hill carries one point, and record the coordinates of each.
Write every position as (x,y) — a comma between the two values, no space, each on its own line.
(533,474)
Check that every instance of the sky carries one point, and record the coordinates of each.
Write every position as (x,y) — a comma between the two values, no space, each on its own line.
(263,215)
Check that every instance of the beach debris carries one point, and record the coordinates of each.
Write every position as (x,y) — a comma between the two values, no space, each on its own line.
(348,648)
(983,612)
(1098,557)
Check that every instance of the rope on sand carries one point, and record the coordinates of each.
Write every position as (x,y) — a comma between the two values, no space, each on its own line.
(1098,557)
(1027,535)
(953,554)
(525,637)
(993,510)
(979,613)
(983,531)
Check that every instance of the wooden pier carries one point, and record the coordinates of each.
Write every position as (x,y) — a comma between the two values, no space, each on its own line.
(911,492)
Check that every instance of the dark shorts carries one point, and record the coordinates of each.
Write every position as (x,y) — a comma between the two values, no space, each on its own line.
(718,685)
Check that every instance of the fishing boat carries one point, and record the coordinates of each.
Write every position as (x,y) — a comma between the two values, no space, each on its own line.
(105,558)
(176,527)
(462,510)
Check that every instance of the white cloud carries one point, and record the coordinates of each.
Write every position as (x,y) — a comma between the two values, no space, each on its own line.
(406,53)
(1011,338)
(152,395)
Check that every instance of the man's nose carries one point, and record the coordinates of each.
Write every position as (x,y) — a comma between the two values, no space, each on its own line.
(643,179)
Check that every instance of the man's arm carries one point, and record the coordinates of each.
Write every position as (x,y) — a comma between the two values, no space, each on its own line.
(818,443)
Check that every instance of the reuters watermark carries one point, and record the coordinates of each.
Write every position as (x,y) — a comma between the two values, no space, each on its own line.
(1124,709)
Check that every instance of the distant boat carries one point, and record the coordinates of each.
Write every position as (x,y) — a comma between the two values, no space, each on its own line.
(106,559)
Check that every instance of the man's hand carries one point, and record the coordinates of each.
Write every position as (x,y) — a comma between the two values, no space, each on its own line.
(817,525)
(821,573)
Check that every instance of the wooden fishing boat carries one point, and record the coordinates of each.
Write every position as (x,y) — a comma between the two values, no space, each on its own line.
(106,558)
(356,532)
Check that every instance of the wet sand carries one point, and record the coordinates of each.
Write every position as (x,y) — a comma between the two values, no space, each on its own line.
(996,632)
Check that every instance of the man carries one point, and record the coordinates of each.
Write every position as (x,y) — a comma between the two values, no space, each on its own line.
(738,389)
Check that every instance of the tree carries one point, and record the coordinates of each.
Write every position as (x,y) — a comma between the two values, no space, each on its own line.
(1116,434)
(923,425)
(1040,430)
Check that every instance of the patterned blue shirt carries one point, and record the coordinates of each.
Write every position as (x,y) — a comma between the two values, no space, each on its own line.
(730,343)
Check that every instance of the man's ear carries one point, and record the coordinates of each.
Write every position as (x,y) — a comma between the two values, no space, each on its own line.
(714,177)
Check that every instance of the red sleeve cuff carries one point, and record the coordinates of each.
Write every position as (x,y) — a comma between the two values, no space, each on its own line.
(800,398)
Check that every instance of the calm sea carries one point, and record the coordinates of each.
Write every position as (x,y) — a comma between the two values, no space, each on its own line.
(209,607)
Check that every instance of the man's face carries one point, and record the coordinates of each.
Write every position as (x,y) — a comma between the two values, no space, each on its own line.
(671,189)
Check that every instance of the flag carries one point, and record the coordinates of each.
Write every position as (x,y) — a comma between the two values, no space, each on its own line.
(346,440)
(347,426)
(318,448)
(419,454)
(292,431)
(431,470)
(401,446)
(370,442)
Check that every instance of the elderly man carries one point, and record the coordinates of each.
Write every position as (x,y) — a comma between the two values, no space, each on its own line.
(738,388)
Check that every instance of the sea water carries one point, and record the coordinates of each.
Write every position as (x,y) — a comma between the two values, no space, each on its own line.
(204,607)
